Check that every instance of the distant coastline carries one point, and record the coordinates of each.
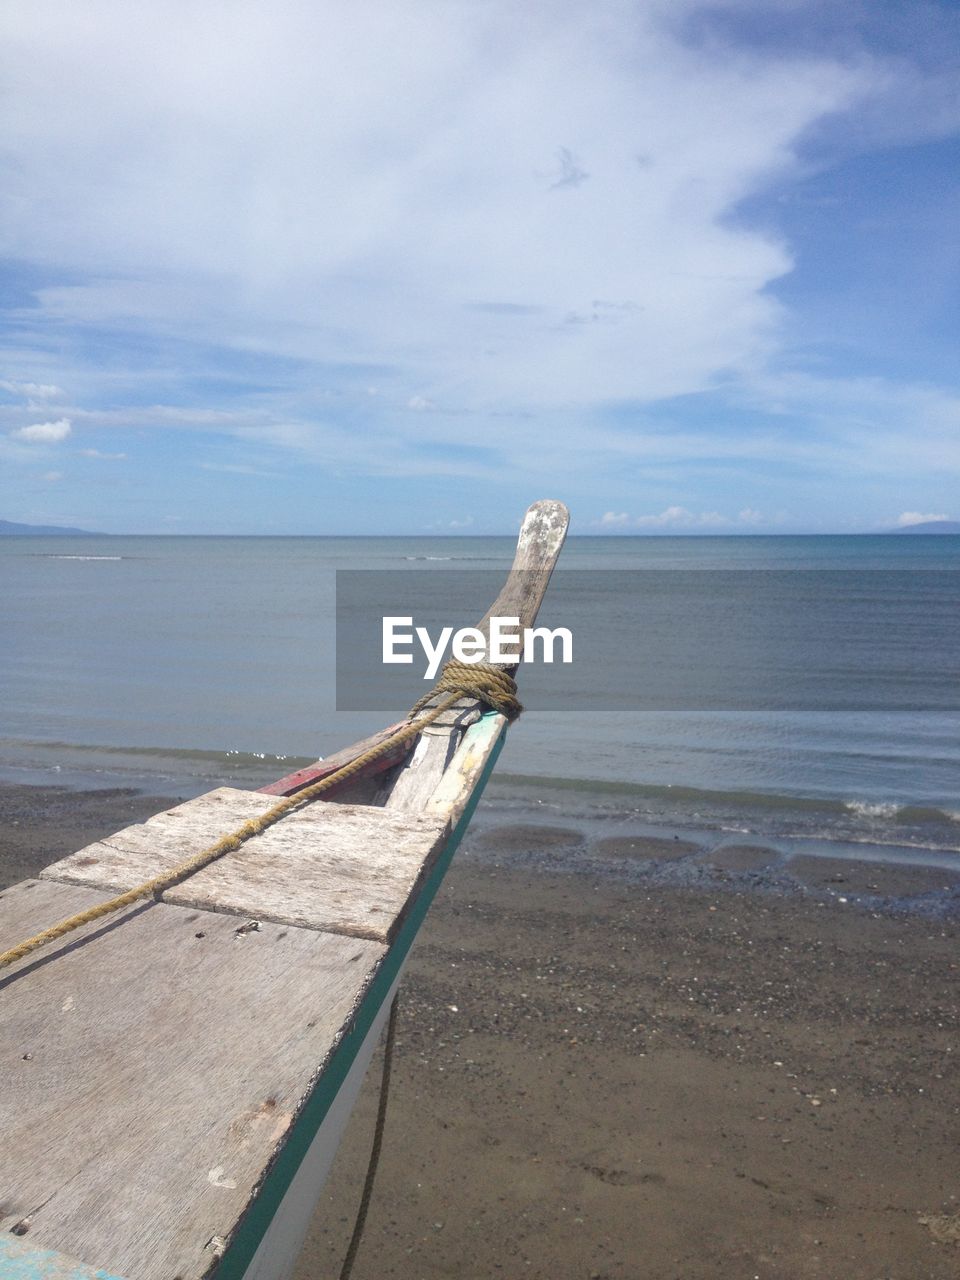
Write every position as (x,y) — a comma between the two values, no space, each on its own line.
(10,529)
(929,526)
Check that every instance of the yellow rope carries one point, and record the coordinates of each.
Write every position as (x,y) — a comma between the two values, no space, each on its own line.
(489,684)
(481,680)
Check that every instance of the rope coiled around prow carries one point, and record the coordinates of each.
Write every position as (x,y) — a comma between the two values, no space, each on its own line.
(481,680)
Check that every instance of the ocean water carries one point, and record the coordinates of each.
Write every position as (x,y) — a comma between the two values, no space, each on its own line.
(180,663)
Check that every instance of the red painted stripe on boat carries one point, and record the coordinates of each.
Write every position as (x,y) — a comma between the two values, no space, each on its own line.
(295,782)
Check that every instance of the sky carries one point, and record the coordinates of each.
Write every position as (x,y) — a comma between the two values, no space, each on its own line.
(404,266)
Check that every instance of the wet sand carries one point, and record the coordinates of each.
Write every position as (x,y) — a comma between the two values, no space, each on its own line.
(612,1074)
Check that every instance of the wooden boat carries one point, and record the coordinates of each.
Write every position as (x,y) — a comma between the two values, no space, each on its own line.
(177,1075)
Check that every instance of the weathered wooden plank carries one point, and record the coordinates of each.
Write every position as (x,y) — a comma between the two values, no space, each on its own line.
(152,1064)
(343,868)
(435,749)
(456,787)
(541,538)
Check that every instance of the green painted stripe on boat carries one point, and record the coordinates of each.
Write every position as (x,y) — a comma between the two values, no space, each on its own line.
(21,1261)
(253,1226)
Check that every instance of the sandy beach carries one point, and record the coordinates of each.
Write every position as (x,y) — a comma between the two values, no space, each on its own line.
(614,1074)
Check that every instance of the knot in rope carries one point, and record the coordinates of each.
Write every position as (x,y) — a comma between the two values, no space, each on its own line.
(480,680)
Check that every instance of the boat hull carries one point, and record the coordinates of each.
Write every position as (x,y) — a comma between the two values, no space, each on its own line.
(269,1239)
(277,1253)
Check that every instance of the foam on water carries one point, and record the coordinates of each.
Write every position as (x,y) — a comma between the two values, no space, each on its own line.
(873,809)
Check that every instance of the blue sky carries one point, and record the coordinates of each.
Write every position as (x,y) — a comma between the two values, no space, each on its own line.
(404,266)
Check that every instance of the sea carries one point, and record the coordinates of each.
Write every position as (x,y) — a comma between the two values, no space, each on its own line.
(175,664)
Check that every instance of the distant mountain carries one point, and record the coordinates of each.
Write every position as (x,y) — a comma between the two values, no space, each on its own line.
(9,528)
(929,526)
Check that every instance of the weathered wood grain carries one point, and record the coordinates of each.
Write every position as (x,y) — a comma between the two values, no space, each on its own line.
(452,795)
(343,868)
(416,782)
(151,1066)
(541,538)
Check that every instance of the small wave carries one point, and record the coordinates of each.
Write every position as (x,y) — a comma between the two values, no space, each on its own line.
(674,793)
(429,557)
(50,555)
(245,755)
(872,809)
(829,835)
(731,809)
(901,814)
(212,756)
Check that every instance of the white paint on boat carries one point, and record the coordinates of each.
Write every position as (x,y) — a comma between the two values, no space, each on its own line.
(283,1240)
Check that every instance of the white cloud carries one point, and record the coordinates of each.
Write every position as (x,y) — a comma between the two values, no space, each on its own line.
(486,209)
(105,457)
(44,432)
(851,428)
(52,476)
(681,518)
(232,468)
(678,517)
(465,523)
(673,517)
(32,390)
(502,204)
(907,518)
(871,426)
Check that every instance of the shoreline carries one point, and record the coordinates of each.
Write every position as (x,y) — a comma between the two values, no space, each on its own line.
(663,856)
(605,1068)
(554,828)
